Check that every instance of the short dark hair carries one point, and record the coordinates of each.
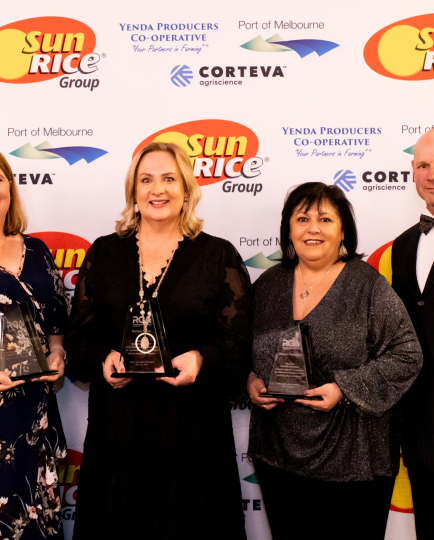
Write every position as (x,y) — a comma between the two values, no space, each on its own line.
(314,193)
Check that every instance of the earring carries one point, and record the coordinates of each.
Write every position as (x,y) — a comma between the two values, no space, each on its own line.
(343,251)
(136,209)
(291,250)
(185,199)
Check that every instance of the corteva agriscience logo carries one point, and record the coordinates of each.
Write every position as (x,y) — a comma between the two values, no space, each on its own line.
(218,150)
(43,48)
(181,75)
(225,75)
(303,47)
(71,154)
(385,180)
(372,180)
(403,50)
(345,180)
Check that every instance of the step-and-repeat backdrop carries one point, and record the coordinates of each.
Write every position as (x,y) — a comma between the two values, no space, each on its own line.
(262,95)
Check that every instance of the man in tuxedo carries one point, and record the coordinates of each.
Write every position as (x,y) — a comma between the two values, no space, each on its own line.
(413,280)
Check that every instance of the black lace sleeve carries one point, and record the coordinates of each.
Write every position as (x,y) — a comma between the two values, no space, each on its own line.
(58,316)
(228,350)
(85,352)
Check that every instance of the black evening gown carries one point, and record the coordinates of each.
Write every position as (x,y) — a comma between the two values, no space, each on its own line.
(159,462)
(31,434)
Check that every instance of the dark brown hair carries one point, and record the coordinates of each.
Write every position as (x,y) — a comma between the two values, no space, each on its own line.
(314,193)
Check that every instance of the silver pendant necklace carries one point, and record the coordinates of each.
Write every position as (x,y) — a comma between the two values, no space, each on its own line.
(306,290)
(145,342)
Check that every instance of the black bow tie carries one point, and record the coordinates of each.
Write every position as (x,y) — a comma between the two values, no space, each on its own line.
(426,223)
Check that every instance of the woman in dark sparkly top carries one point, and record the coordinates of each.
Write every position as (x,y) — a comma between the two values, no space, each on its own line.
(327,467)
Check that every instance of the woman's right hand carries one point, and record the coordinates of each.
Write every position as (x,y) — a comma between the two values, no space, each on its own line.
(256,387)
(114,364)
(6,383)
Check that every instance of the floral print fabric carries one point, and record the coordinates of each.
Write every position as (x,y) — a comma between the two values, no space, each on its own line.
(31,435)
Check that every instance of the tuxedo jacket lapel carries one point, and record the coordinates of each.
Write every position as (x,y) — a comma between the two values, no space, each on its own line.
(413,283)
(412,258)
(429,282)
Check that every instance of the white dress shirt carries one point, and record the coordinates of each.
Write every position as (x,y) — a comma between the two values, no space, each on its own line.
(425,255)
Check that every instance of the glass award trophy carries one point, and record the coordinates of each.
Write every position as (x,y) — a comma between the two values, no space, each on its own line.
(20,347)
(293,371)
(145,348)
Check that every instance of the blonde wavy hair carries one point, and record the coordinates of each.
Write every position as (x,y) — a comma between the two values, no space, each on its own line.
(16,220)
(189,224)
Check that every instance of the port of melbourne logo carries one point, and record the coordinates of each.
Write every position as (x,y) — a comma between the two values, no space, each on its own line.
(71,154)
(303,47)
(181,75)
(345,180)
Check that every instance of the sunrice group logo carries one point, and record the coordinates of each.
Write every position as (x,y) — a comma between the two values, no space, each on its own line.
(68,251)
(181,75)
(345,180)
(69,472)
(71,154)
(403,50)
(42,48)
(218,150)
(381,260)
(302,47)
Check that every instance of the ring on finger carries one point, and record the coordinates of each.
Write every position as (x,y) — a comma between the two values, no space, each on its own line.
(265,407)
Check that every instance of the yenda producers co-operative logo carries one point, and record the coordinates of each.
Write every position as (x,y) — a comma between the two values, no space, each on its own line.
(42,48)
(403,50)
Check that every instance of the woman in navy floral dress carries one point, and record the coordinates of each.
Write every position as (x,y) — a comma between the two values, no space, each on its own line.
(31,435)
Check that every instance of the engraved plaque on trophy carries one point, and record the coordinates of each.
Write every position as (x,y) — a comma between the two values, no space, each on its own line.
(293,371)
(145,348)
(20,347)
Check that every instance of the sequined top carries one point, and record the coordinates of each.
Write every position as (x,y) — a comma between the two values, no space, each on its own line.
(363,340)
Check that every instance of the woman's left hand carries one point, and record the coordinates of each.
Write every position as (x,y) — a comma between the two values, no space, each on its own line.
(331,396)
(189,365)
(56,363)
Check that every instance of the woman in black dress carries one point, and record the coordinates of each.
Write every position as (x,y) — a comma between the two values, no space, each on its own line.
(327,468)
(31,435)
(159,456)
